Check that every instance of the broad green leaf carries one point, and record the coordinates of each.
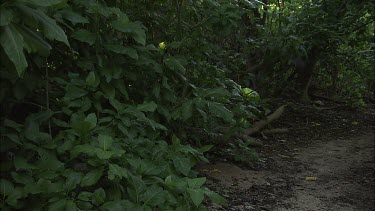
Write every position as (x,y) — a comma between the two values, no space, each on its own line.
(147,106)
(92,120)
(98,196)
(140,35)
(12,43)
(216,92)
(12,124)
(205,148)
(163,111)
(70,205)
(216,198)
(117,105)
(105,119)
(43,3)
(32,124)
(248,3)
(118,171)
(85,148)
(104,155)
(92,177)
(120,85)
(72,180)
(34,42)
(196,182)
(96,8)
(118,205)
(84,205)
(135,28)
(135,163)
(58,205)
(113,192)
(13,197)
(123,50)
(41,116)
(13,137)
(200,102)
(44,185)
(6,16)
(176,141)
(187,110)
(108,73)
(151,169)
(182,164)
(84,35)
(60,123)
(68,144)
(168,181)
(155,125)
(138,185)
(90,79)
(49,161)
(203,114)
(74,17)
(196,195)
(153,196)
(85,196)
(133,111)
(86,64)
(21,163)
(82,127)
(73,92)
(32,188)
(156,90)
(184,112)
(108,90)
(22,178)
(47,174)
(50,28)
(219,110)
(105,141)
(174,64)
(6,187)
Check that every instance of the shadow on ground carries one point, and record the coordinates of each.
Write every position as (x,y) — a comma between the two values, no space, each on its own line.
(335,146)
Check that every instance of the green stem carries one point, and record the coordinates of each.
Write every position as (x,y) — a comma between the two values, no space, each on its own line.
(179,24)
(47,98)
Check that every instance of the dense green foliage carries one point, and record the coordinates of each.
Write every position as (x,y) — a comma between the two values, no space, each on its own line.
(334,38)
(108,105)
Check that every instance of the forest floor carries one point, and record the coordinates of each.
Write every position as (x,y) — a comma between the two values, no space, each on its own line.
(335,145)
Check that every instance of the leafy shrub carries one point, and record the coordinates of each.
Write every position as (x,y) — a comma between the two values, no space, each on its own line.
(243,153)
(103,140)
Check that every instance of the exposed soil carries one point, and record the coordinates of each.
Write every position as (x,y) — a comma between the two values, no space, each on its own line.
(334,145)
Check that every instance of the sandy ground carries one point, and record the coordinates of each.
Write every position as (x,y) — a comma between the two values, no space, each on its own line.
(340,157)
(345,176)
(344,171)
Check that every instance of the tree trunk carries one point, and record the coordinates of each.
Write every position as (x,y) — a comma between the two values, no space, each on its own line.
(305,72)
(252,58)
(334,78)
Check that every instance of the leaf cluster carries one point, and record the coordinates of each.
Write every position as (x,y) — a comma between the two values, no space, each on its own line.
(96,117)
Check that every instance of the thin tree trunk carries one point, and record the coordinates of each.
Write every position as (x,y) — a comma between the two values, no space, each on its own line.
(305,71)
(252,58)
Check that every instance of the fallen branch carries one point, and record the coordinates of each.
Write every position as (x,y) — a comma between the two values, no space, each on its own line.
(327,98)
(329,108)
(283,130)
(244,135)
(257,126)
(276,130)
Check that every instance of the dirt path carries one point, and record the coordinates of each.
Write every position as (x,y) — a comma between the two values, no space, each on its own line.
(345,179)
(335,150)
(345,172)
